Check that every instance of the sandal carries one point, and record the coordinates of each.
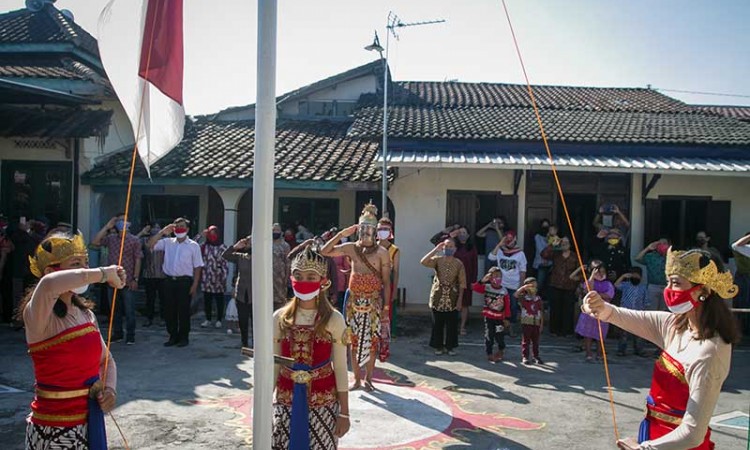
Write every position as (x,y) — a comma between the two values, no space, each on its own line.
(589,359)
(356,386)
(369,387)
(463,332)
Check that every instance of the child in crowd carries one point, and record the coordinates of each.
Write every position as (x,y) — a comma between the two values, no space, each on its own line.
(496,312)
(587,326)
(532,319)
(634,296)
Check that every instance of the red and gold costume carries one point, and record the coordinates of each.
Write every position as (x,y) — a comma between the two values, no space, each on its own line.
(62,366)
(667,402)
(363,315)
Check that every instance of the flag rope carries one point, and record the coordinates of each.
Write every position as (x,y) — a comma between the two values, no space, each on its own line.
(127,212)
(565,209)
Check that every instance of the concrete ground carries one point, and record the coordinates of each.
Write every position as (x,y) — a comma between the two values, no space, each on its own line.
(199,397)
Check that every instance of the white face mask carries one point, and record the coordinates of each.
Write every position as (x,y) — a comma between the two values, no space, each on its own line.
(81,290)
(180,235)
(384,234)
(307,297)
(344,240)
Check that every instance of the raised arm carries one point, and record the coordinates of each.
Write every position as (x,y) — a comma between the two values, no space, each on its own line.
(166,231)
(233,254)
(650,325)
(483,231)
(427,260)
(332,247)
(649,248)
(101,234)
(741,245)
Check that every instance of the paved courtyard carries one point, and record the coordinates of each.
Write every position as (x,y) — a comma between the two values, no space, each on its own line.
(199,397)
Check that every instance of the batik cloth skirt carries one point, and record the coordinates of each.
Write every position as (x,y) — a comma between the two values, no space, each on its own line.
(363,317)
(41,437)
(322,427)
(587,327)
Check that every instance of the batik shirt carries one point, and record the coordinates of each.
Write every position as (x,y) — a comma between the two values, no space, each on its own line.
(449,277)
(214,275)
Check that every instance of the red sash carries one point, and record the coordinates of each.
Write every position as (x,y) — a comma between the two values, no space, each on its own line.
(667,400)
(62,364)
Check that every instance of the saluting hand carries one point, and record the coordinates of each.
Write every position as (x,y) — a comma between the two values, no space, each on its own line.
(348,231)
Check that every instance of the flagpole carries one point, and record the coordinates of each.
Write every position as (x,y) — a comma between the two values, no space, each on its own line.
(263,179)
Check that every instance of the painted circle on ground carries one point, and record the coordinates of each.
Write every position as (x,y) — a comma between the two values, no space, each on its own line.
(396,415)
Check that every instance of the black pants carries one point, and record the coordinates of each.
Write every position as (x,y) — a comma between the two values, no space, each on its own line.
(444,330)
(154,288)
(561,307)
(177,308)
(494,332)
(214,297)
(245,315)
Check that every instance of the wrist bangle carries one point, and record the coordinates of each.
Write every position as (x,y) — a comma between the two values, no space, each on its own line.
(104,275)
(344,416)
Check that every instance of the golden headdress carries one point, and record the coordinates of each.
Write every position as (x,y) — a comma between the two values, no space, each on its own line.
(310,260)
(369,215)
(687,265)
(55,249)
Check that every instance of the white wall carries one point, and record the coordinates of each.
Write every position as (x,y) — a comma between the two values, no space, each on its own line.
(420,197)
(734,189)
(346,91)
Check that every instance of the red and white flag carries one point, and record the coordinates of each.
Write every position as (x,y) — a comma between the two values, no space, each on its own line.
(141,46)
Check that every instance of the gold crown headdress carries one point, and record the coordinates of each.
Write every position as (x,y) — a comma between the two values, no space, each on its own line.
(310,260)
(687,265)
(369,215)
(54,250)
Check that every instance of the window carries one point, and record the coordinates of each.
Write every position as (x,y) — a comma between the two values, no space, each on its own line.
(345,109)
(316,214)
(37,190)
(163,209)
(338,108)
(320,108)
(680,218)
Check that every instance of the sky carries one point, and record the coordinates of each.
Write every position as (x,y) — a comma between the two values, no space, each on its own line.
(686,45)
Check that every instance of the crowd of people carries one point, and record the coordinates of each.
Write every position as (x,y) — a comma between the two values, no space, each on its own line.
(333,300)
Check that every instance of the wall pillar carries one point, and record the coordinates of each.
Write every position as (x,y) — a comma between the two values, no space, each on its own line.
(637,216)
(230,198)
(521,214)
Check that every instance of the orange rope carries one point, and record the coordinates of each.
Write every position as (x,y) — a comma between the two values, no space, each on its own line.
(565,209)
(127,213)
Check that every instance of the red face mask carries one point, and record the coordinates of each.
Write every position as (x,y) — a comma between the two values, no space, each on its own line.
(305,290)
(680,301)
(496,282)
(212,238)
(180,230)
(662,249)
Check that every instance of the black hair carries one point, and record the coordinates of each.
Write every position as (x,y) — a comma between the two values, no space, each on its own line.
(635,269)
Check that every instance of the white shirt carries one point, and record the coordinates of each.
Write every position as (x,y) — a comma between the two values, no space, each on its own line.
(511,267)
(179,258)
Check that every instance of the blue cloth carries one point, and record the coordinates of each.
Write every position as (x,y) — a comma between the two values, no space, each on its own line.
(634,296)
(97,432)
(299,428)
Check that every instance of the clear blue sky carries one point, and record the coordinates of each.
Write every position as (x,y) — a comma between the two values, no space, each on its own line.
(695,45)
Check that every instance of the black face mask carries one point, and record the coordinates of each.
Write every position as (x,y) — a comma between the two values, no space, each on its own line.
(701,241)
(276,236)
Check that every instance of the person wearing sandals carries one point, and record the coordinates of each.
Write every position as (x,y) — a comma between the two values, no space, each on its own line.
(448,286)
(532,320)
(696,337)
(587,326)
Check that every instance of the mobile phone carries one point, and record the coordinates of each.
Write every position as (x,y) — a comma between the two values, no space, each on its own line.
(22,220)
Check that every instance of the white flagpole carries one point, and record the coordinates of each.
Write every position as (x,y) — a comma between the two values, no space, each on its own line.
(263,178)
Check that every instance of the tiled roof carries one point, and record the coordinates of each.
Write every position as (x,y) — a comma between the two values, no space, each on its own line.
(64,68)
(642,164)
(305,151)
(519,124)
(488,95)
(48,25)
(63,122)
(737,112)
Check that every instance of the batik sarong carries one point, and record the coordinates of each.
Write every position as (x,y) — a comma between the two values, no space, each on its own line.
(363,304)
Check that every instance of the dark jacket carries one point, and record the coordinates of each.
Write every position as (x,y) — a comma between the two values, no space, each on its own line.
(243,288)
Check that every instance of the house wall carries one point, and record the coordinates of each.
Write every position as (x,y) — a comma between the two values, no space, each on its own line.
(348,90)
(734,189)
(420,200)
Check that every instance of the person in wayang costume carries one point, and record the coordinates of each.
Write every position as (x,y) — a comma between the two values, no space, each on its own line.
(369,282)
(311,411)
(66,348)
(696,338)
